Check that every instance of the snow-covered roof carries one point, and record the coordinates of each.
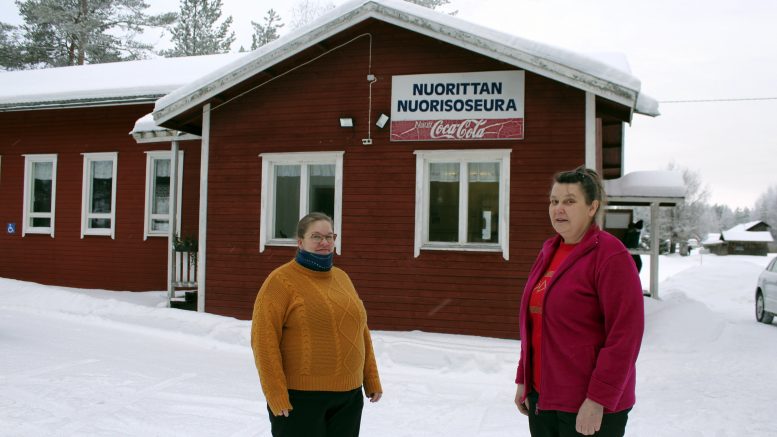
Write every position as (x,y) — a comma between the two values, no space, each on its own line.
(740,232)
(141,81)
(147,131)
(712,239)
(580,71)
(658,185)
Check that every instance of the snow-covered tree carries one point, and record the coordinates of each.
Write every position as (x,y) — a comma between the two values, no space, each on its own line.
(306,11)
(264,33)
(766,209)
(76,32)
(686,220)
(197,31)
(432,4)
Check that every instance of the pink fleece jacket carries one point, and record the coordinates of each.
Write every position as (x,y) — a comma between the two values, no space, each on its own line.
(592,324)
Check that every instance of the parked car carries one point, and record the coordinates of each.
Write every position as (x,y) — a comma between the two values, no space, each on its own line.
(766,294)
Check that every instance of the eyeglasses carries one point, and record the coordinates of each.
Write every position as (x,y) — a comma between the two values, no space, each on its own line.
(318,238)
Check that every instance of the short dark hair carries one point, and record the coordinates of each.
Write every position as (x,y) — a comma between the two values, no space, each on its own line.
(590,182)
(305,222)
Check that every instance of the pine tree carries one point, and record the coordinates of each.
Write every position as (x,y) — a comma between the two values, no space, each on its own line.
(197,33)
(76,32)
(267,32)
(10,47)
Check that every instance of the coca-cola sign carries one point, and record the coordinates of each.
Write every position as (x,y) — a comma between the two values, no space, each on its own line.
(458,106)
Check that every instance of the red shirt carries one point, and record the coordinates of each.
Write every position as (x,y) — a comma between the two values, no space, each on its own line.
(535,310)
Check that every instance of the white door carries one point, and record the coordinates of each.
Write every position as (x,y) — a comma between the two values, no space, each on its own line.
(770,288)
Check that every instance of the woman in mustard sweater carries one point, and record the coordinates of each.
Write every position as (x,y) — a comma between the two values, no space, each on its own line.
(311,343)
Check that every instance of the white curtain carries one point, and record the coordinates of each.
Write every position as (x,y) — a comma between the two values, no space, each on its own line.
(102,169)
(163,168)
(285,171)
(322,170)
(42,170)
(444,172)
(483,172)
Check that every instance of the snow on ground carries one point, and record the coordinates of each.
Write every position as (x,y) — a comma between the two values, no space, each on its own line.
(99,363)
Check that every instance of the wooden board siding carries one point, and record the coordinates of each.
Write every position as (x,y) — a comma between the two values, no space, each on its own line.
(126,263)
(442,291)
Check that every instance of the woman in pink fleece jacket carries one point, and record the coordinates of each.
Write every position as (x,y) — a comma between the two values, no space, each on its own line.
(582,319)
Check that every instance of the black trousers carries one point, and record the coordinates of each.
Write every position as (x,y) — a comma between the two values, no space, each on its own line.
(549,423)
(320,414)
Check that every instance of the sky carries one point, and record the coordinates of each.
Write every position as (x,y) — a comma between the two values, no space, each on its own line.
(105,363)
(689,50)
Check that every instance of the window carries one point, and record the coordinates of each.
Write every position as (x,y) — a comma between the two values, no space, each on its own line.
(98,201)
(293,185)
(40,188)
(462,200)
(158,182)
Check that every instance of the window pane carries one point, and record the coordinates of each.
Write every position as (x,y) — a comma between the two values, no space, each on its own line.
(41,191)
(160,225)
(39,222)
(161,193)
(483,202)
(102,185)
(287,185)
(100,224)
(444,202)
(321,192)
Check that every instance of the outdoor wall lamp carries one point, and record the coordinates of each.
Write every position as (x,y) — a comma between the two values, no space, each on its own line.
(346,122)
(382,120)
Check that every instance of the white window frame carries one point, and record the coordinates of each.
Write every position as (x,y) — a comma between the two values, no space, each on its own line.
(85,195)
(27,228)
(267,216)
(423,159)
(151,157)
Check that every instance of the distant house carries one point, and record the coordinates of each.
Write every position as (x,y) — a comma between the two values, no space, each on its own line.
(744,239)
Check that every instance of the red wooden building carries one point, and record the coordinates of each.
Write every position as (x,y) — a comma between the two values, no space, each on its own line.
(430,140)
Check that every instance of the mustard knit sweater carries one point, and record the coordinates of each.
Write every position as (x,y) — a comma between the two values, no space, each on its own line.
(309,332)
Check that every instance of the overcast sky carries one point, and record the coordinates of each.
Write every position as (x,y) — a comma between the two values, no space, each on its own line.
(680,50)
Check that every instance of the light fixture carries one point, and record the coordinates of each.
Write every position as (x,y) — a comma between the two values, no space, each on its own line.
(382,120)
(346,122)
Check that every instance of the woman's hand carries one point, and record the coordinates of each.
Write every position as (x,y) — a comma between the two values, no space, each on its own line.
(589,417)
(375,397)
(284,413)
(523,407)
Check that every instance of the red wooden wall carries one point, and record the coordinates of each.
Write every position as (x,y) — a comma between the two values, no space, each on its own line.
(457,292)
(126,263)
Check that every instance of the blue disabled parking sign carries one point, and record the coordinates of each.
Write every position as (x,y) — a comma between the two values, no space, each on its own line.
(11,228)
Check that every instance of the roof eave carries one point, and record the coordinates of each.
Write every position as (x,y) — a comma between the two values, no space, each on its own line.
(79,103)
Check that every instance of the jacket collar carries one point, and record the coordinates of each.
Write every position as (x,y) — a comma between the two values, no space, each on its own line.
(589,241)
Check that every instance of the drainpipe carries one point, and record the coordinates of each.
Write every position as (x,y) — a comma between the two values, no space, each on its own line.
(590,131)
(172,223)
(203,231)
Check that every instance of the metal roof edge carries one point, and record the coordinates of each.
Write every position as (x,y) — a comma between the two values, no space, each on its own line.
(422,25)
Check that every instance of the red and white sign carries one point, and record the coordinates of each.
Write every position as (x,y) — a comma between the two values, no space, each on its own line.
(458,106)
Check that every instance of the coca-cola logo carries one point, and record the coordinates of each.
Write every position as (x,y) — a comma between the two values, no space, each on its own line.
(462,130)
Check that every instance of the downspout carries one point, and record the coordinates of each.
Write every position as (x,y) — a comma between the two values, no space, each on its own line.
(172,223)
(202,254)
(590,131)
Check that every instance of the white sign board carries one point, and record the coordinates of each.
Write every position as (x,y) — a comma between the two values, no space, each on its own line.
(484,105)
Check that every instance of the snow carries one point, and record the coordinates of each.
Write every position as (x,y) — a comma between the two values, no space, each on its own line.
(102,363)
(143,78)
(585,71)
(649,183)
